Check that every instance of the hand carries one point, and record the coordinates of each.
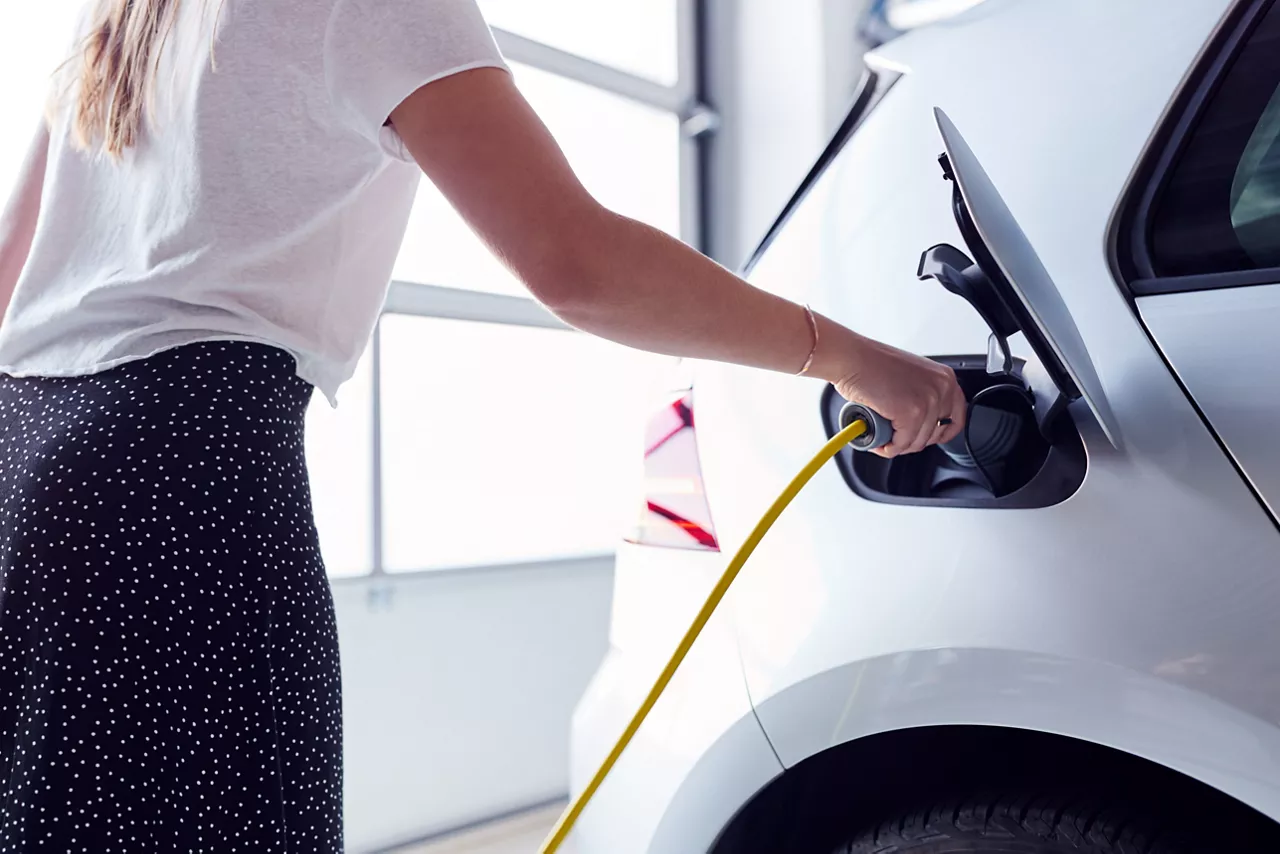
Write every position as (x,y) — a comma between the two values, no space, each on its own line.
(912,392)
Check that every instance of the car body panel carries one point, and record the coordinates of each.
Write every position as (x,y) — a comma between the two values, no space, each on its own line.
(1118,574)
(1144,715)
(701,754)
(1153,589)
(1224,344)
(811,601)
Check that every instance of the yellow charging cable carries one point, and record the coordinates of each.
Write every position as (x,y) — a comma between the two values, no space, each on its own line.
(571,814)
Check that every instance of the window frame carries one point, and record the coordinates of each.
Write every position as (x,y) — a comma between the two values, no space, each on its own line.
(1129,234)
(445,300)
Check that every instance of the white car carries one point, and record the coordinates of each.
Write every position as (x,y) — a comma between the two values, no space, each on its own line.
(1065,636)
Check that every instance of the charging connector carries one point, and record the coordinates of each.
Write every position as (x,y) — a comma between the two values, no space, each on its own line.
(879,429)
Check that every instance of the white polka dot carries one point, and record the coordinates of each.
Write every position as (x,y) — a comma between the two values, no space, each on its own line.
(169,675)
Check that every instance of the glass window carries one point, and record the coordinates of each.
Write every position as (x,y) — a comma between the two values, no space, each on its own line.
(1220,210)
(1255,191)
(340,464)
(34,41)
(626,154)
(639,36)
(505,444)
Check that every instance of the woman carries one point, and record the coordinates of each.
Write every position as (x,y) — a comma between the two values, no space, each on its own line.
(204,232)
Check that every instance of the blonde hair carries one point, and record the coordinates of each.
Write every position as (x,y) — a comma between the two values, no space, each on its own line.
(118,62)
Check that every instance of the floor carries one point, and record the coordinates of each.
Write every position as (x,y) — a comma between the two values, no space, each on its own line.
(519,835)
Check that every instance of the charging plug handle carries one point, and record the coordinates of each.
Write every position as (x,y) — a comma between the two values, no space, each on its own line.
(879,429)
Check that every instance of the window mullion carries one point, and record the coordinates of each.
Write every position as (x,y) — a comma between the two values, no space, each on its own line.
(535,54)
(458,304)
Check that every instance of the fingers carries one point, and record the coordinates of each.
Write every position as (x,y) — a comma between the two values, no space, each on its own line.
(906,427)
(939,418)
(940,432)
(957,411)
(954,408)
(924,431)
(888,451)
(912,433)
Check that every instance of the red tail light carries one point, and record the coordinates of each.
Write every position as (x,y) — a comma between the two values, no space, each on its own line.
(675,512)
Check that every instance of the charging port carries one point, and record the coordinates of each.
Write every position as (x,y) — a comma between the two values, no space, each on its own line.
(1013,459)
(1020,448)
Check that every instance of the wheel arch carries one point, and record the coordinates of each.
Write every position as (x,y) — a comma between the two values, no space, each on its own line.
(815,805)
(941,712)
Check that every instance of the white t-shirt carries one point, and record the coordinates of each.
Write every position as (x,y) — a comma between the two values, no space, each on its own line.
(266,201)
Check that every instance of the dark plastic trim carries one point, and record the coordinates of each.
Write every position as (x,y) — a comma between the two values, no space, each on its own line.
(1205,282)
(1128,234)
(871,90)
(1059,477)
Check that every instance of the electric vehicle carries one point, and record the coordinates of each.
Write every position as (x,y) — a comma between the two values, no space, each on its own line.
(1063,635)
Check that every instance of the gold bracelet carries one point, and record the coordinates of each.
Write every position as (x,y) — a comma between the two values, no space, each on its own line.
(813,351)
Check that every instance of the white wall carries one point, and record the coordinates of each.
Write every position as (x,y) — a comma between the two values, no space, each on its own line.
(782,106)
(782,83)
(458,691)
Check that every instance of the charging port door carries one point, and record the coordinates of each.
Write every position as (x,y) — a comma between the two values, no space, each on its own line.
(1026,292)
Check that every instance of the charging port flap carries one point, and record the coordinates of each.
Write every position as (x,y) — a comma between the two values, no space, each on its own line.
(1008,284)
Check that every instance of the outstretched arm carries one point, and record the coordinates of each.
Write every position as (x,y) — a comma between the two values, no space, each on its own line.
(18,221)
(480,142)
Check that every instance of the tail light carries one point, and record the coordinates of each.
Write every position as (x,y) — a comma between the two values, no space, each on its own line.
(675,512)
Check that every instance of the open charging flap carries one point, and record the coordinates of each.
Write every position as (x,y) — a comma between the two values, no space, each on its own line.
(1030,454)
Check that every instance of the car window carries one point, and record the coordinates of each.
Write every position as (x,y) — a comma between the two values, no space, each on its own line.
(1220,210)
(1255,193)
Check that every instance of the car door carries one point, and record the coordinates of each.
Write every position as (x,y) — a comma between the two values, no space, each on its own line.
(1198,242)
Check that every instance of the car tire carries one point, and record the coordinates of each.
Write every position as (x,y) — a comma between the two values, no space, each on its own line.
(1011,826)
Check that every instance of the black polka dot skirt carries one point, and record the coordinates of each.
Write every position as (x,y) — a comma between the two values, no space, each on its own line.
(168,654)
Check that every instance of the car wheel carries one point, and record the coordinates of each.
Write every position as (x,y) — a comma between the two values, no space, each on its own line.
(1017,826)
